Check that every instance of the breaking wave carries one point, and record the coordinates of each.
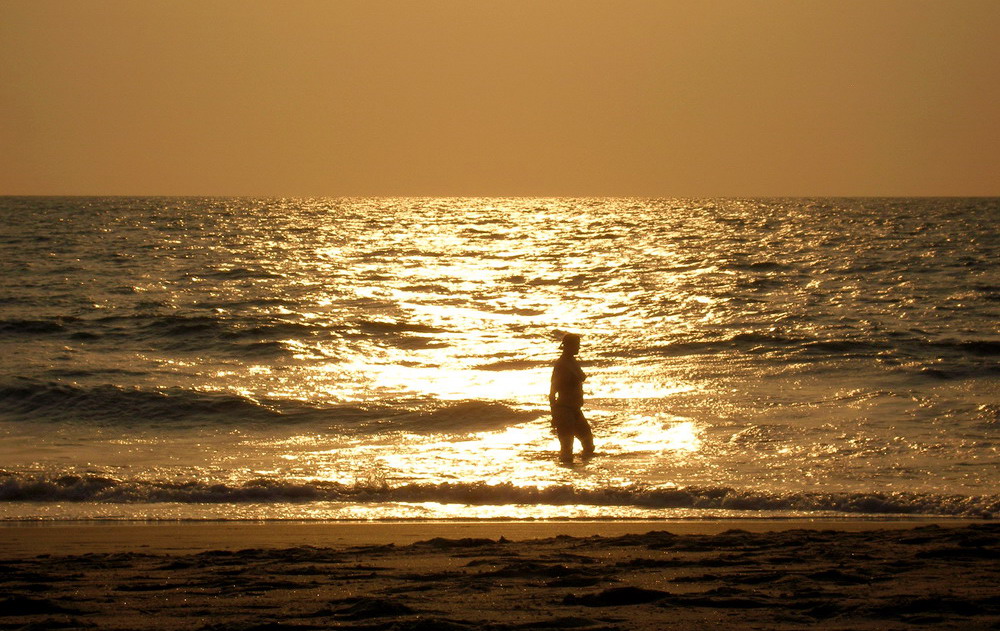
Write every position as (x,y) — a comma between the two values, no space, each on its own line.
(97,488)
(27,399)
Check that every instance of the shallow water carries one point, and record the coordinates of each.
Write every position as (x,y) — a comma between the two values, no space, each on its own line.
(389,358)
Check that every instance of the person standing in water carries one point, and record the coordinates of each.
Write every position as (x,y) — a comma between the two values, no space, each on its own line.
(566,401)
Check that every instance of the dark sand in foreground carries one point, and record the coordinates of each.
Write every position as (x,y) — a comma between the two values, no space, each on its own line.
(492,576)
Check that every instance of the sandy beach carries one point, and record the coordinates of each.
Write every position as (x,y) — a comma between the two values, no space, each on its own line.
(553,575)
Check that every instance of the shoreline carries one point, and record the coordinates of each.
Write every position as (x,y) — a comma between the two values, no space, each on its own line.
(32,538)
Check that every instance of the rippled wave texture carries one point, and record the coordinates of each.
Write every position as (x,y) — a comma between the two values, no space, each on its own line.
(776,348)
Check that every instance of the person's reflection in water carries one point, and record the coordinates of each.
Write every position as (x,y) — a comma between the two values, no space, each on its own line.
(566,401)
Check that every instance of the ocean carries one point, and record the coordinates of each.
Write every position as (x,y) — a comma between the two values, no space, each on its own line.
(389,358)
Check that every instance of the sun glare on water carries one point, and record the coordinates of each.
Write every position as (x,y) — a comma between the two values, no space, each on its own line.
(443,312)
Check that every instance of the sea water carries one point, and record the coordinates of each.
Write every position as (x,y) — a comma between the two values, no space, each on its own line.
(385,358)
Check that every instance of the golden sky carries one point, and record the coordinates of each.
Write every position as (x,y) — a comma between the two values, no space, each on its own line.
(500,97)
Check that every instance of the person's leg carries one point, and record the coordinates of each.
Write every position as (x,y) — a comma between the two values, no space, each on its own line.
(565,443)
(563,422)
(584,434)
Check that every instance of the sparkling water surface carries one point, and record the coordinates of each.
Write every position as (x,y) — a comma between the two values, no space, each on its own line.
(175,358)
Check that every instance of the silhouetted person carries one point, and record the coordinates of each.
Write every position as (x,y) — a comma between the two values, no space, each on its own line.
(566,399)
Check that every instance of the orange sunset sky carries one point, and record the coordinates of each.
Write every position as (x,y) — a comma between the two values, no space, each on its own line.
(512,97)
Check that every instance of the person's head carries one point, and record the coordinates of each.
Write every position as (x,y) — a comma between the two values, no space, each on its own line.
(570,343)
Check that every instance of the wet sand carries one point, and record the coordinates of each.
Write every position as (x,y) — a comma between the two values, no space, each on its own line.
(450,576)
